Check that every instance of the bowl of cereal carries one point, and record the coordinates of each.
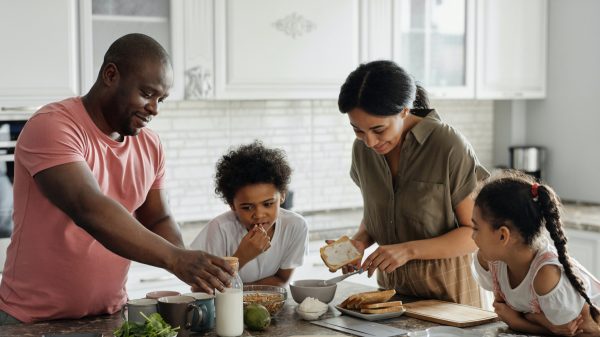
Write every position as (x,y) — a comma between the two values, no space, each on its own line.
(272,297)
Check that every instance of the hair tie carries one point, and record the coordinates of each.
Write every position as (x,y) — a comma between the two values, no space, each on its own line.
(534,191)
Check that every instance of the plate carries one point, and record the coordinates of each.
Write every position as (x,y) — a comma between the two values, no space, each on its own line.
(370,317)
(444,331)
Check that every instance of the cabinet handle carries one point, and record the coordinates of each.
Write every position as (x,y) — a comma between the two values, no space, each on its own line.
(19,108)
(157,278)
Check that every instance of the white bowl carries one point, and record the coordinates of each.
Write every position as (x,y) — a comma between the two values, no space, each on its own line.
(310,315)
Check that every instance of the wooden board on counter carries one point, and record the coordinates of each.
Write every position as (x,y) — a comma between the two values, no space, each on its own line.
(448,313)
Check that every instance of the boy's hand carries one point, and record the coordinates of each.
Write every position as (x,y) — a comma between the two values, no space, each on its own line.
(254,243)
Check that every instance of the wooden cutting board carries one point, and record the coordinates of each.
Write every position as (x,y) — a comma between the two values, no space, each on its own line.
(448,313)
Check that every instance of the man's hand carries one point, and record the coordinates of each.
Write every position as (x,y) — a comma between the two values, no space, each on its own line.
(387,258)
(203,271)
(360,246)
(569,329)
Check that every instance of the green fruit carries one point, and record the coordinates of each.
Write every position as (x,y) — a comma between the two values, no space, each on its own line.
(256,317)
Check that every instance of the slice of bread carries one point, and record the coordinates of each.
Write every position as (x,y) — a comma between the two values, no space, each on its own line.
(357,300)
(340,253)
(382,310)
(381,305)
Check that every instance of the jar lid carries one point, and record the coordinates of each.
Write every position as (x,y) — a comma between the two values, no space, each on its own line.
(232,261)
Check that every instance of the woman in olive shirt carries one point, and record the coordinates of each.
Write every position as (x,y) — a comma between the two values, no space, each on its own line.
(416,175)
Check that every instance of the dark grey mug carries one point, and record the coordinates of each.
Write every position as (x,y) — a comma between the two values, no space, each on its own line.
(135,308)
(205,321)
(179,311)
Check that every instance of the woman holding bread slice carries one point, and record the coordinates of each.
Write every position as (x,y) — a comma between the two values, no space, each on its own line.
(416,175)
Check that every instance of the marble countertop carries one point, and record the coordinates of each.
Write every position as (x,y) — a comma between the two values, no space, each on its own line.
(582,216)
(286,323)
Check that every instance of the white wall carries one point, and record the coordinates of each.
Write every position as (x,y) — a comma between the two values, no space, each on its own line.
(567,121)
(317,139)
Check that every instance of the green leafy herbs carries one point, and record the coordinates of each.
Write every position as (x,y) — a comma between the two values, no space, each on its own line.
(155,326)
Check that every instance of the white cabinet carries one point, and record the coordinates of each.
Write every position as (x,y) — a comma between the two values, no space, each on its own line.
(584,246)
(511,49)
(40,52)
(434,40)
(104,21)
(304,49)
(273,49)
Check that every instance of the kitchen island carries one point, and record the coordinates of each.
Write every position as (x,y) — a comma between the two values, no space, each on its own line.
(286,323)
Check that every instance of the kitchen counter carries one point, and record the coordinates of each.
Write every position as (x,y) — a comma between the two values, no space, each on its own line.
(286,323)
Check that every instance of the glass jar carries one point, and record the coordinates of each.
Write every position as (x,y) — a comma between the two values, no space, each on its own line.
(229,304)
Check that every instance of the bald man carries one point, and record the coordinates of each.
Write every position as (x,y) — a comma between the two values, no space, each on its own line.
(89,196)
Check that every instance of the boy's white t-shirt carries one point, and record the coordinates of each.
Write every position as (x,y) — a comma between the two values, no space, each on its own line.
(561,305)
(223,234)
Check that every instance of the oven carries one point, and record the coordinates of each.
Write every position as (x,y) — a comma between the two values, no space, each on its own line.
(9,131)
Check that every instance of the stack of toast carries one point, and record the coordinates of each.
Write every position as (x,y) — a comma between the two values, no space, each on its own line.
(373,302)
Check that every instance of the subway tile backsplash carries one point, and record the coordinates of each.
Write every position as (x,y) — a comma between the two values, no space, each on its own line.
(316,137)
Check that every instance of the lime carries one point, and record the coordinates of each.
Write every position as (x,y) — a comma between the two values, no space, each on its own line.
(256,317)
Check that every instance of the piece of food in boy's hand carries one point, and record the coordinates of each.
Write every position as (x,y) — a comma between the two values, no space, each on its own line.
(340,253)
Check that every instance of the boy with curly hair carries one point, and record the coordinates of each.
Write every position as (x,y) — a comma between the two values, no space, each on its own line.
(268,241)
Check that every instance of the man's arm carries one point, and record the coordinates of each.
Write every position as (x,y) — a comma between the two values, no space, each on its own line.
(74,190)
(155,215)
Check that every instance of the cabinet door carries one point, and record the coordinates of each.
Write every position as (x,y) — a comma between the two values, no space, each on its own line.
(434,41)
(39,52)
(105,21)
(270,49)
(585,247)
(511,49)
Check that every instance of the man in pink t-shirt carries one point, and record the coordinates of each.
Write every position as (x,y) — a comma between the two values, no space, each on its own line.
(89,196)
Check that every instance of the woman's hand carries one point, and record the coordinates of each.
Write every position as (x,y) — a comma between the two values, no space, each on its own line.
(569,329)
(388,258)
(360,246)
(254,243)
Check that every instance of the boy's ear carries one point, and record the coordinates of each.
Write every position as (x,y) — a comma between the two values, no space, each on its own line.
(282,198)
(232,206)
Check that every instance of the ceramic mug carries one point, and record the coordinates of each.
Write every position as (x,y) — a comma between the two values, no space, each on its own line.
(206,309)
(135,308)
(161,293)
(179,311)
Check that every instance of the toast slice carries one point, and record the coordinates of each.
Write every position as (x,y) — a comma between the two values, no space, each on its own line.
(373,297)
(340,253)
(370,297)
(381,305)
(397,308)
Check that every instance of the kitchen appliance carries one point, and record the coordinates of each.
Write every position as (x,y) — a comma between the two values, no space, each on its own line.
(528,159)
(9,131)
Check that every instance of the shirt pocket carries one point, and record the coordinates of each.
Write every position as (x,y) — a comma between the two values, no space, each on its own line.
(423,205)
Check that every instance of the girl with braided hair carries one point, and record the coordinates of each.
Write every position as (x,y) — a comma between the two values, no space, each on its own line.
(538,288)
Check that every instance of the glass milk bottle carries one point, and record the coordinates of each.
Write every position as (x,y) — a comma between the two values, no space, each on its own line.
(229,304)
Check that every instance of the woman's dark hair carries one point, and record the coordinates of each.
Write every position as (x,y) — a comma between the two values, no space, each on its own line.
(251,164)
(508,200)
(381,88)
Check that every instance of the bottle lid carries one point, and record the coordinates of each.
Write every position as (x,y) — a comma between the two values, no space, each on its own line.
(233,262)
